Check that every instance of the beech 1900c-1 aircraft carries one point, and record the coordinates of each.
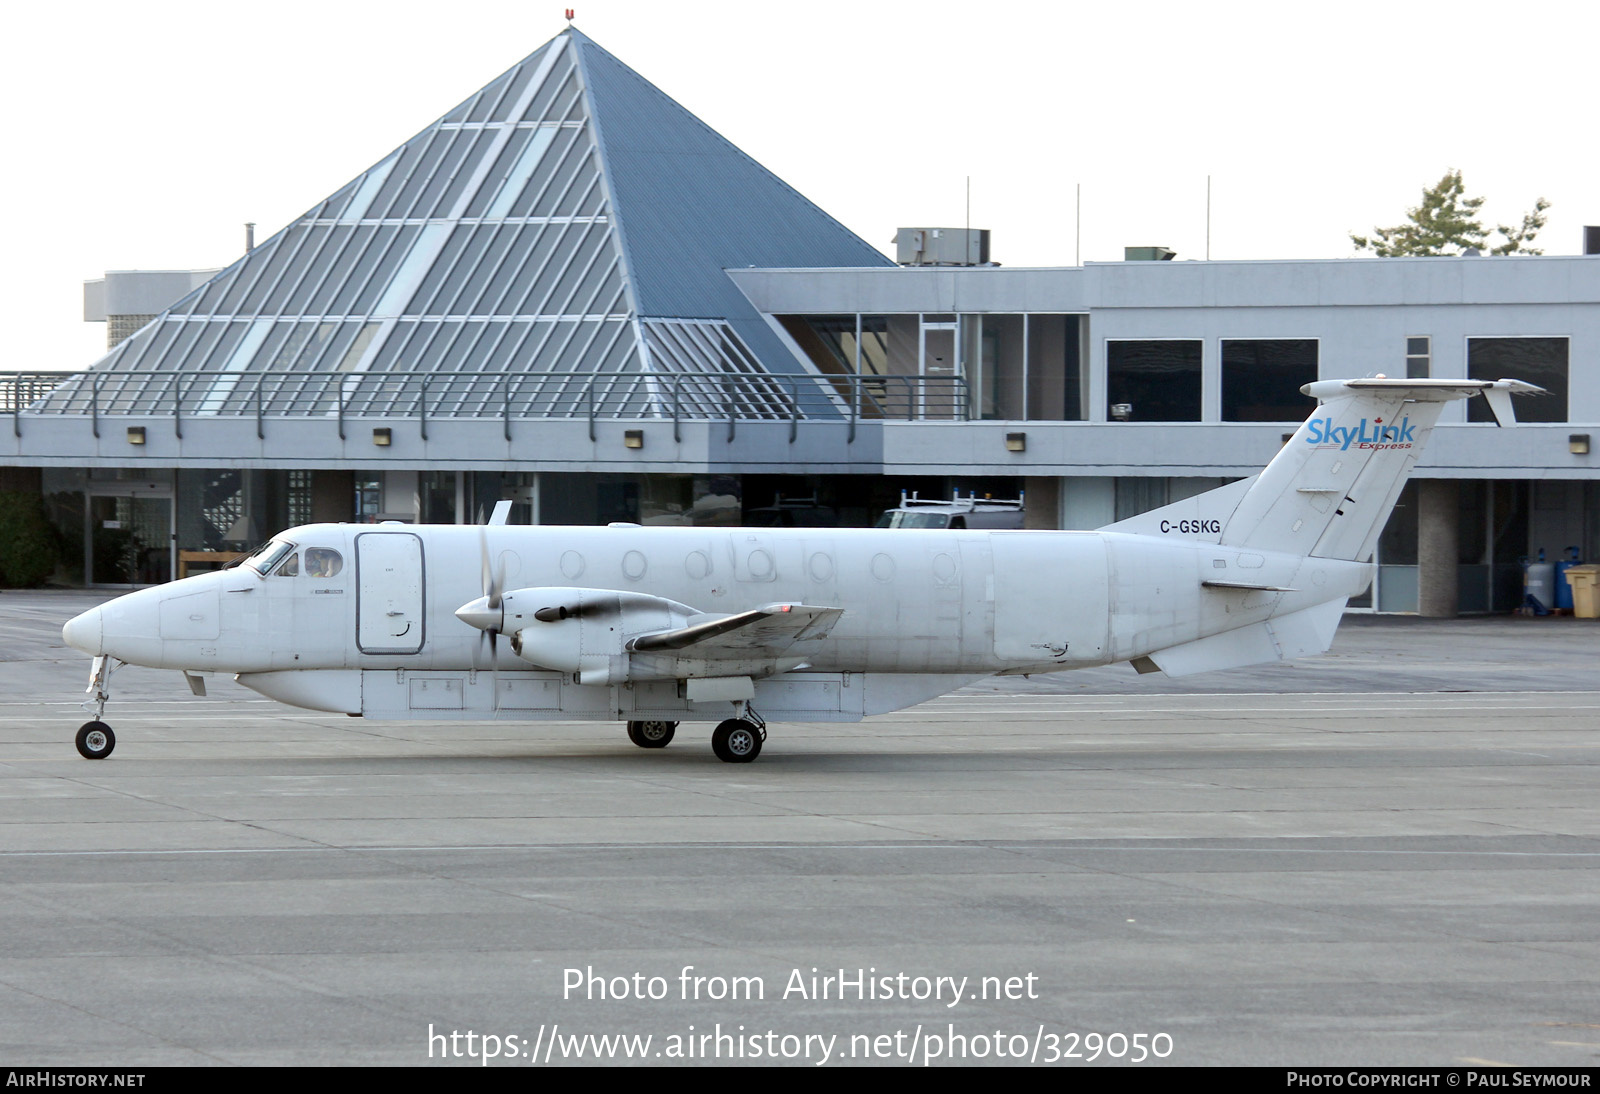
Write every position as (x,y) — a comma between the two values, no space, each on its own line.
(656,626)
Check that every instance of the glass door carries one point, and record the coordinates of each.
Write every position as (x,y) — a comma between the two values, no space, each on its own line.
(130,537)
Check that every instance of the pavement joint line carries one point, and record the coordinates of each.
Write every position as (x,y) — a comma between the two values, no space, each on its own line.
(907,845)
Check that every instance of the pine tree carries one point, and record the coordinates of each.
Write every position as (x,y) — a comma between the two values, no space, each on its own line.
(1446,223)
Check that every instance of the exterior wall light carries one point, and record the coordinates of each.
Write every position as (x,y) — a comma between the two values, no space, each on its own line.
(1016,442)
(136,435)
(633,438)
(1578,444)
(383,437)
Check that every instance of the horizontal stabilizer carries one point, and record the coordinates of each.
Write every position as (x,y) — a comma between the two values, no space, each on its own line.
(767,630)
(1298,634)
(1247,586)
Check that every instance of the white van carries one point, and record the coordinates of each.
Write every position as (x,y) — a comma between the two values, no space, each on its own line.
(959,512)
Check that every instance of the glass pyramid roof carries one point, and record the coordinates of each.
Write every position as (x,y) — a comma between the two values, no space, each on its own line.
(566,220)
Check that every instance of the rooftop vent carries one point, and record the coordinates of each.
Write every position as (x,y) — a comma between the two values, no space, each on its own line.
(1147,254)
(942,246)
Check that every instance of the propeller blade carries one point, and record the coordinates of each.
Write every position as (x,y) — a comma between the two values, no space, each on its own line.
(492,613)
(492,581)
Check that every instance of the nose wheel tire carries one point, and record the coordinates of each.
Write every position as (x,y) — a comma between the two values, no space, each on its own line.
(736,741)
(95,741)
(652,734)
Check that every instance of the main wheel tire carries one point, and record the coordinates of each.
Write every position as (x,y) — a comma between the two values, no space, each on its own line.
(95,741)
(652,734)
(736,741)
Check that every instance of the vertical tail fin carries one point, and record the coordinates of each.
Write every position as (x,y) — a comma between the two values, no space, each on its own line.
(1330,490)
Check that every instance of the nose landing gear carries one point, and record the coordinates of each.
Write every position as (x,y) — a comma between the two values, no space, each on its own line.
(95,739)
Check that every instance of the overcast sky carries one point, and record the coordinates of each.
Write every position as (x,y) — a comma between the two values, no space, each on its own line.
(145,135)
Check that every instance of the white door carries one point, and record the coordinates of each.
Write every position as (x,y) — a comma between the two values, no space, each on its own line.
(389,616)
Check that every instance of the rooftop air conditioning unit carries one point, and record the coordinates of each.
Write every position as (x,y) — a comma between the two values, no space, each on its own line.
(942,246)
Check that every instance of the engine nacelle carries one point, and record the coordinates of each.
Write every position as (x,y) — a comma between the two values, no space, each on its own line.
(585,632)
(589,634)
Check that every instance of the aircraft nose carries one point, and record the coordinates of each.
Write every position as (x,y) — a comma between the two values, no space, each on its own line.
(479,614)
(85,632)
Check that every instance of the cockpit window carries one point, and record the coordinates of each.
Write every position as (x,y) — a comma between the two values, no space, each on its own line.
(268,556)
(290,567)
(323,562)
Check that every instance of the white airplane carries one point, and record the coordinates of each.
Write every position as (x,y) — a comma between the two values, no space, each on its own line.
(656,626)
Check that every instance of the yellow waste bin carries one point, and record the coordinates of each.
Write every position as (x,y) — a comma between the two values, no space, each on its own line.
(1585,582)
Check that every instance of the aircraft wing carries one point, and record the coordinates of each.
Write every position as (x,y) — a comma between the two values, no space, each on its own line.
(766,631)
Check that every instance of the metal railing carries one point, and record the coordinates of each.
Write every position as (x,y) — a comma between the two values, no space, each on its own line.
(431,397)
(20,390)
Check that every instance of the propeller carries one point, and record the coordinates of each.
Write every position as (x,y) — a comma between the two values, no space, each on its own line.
(487,612)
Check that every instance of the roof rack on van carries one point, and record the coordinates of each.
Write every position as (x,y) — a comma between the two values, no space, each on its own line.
(957,513)
(959,504)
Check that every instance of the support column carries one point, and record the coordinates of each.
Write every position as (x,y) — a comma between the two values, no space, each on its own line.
(402,499)
(1438,548)
(1042,502)
(1088,502)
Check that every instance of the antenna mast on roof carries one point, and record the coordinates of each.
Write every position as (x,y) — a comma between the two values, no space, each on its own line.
(570,13)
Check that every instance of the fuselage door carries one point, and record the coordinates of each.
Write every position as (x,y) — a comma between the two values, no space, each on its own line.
(390,595)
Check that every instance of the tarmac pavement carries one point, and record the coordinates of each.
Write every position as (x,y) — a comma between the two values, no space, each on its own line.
(1388,855)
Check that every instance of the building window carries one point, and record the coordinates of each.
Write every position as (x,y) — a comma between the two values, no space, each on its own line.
(980,365)
(830,341)
(1262,377)
(1154,381)
(299,498)
(1419,358)
(1541,361)
(369,497)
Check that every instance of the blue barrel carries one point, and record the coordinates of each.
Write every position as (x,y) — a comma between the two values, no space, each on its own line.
(1563,589)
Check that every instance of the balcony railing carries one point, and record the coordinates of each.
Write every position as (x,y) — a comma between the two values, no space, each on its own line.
(505,396)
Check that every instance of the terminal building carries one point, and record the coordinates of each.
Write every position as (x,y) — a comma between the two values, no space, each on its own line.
(569,292)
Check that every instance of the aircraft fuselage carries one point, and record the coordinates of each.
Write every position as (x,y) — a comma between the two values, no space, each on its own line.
(937,603)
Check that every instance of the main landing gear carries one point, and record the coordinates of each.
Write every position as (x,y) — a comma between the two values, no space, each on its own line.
(735,741)
(95,739)
(652,734)
(739,740)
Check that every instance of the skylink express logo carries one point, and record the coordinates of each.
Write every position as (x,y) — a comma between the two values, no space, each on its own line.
(1324,434)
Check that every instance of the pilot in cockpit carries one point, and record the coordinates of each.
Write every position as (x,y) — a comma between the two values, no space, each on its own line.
(322,561)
